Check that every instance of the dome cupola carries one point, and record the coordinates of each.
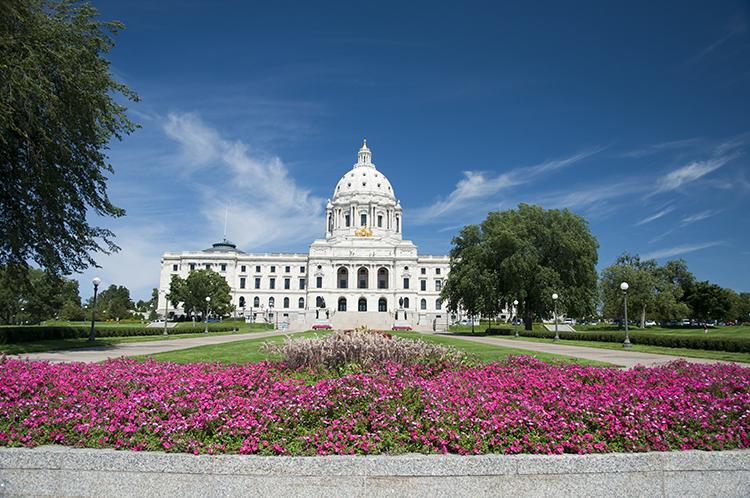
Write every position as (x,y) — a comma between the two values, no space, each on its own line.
(363,198)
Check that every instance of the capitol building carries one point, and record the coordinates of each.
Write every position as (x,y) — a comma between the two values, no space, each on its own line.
(361,273)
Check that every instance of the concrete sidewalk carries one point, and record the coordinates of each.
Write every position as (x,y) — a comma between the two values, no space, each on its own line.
(101,353)
(622,357)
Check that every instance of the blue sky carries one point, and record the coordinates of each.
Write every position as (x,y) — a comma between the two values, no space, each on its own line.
(635,115)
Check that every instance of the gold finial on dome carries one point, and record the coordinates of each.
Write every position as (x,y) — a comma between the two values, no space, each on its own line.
(365,145)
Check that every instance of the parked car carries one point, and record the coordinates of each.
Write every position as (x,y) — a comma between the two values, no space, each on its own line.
(650,323)
(594,322)
(674,323)
(570,321)
(721,323)
(711,323)
(583,322)
(730,323)
(685,322)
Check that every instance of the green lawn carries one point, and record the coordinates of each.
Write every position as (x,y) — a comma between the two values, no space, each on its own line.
(55,345)
(247,351)
(683,352)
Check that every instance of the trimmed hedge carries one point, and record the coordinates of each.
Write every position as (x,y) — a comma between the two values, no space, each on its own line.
(28,333)
(707,343)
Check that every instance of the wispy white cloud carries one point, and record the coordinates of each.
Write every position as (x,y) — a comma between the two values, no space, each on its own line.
(266,206)
(689,173)
(700,216)
(487,185)
(657,148)
(683,249)
(656,216)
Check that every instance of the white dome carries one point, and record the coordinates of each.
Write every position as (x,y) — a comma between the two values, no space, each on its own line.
(363,180)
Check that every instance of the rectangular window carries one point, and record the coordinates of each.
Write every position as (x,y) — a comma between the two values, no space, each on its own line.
(319,282)
(438,283)
(302,269)
(302,284)
(257,283)
(380,222)
(343,284)
(287,283)
(272,283)
(363,284)
(406,283)
(287,269)
(346,218)
(257,269)
(437,271)
(423,271)
(363,219)
(174,267)
(423,285)
(223,267)
(242,282)
(242,268)
(273,269)
(381,284)
(192,266)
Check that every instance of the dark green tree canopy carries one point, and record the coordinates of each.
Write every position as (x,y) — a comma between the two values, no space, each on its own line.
(527,254)
(198,285)
(57,114)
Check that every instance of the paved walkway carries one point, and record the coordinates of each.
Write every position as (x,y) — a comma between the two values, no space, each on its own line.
(100,353)
(623,357)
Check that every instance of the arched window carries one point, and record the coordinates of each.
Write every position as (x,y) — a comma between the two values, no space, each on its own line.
(256,301)
(406,302)
(342,279)
(363,304)
(286,302)
(382,304)
(382,278)
(423,304)
(342,304)
(271,302)
(438,304)
(301,302)
(362,278)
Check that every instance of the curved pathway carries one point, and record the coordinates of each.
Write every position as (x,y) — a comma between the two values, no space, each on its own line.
(625,357)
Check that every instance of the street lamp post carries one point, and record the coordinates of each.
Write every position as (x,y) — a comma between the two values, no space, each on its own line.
(624,286)
(234,325)
(557,335)
(263,314)
(96,283)
(21,319)
(166,312)
(515,305)
(270,311)
(208,300)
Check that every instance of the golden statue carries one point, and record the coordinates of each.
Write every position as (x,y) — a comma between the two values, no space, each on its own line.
(364,232)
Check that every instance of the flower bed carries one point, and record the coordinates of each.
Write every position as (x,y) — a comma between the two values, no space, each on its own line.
(517,406)
(321,327)
(400,328)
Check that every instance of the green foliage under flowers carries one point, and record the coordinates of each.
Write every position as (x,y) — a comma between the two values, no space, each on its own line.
(705,342)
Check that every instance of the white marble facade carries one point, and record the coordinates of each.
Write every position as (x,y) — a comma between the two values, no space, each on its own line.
(362,273)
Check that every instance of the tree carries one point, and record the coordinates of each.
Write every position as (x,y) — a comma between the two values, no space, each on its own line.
(708,301)
(642,280)
(468,286)
(114,302)
(57,114)
(531,253)
(198,285)
(41,294)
